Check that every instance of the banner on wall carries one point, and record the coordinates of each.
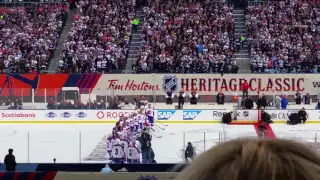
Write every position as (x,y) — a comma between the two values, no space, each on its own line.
(108,115)
(62,115)
(168,115)
(276,115)
(156,84)
(208,84)
(190,115)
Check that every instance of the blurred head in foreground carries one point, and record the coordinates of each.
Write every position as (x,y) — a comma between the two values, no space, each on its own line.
(251,159)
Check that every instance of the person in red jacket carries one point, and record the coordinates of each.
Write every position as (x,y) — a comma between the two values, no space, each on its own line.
(245,88)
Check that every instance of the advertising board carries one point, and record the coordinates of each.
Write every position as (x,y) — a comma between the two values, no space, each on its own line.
(157,84)
(195,115)
(277,115)
(62,116)
(107,116)
(207,84)
(165,115)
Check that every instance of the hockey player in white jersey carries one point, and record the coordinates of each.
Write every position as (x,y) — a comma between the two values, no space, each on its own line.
(150,114)
(117,153)
(136,122)
(133,153)
(131,122)
(141,119)
(124,143)
(110,142)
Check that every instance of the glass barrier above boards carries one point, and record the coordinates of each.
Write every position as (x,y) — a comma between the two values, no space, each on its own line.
(88,98)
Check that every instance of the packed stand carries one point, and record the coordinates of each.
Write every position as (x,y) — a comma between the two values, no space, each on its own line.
(99,39)
(186,37)
(29,35)
(284,36)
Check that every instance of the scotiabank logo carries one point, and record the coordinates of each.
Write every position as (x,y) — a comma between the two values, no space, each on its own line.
(18,115)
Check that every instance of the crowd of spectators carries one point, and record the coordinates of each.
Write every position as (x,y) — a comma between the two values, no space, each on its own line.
(186,37)
(75,105)
(100,37)
(284,36)
(29,35)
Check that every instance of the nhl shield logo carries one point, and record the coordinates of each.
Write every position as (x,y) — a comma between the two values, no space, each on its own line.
(170,83)
(245,113)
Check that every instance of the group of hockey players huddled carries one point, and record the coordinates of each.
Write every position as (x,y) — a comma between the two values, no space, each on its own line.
(125,143)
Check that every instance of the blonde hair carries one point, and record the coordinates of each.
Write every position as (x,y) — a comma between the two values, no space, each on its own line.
(252,159)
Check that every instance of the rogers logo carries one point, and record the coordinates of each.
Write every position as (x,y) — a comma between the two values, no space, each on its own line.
(116,114)
(18,115)
(100,114)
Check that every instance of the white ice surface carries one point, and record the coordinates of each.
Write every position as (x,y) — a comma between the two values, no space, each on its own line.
(37,143)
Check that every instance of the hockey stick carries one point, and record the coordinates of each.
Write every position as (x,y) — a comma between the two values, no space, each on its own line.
(156,136)
(159,127)
(155,127)
(161,123)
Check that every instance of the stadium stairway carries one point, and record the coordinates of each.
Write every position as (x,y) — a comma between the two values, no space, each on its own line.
(242,57)
(64,35)
(135,43)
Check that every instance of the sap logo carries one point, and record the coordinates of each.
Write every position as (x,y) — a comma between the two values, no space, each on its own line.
(66,115)
(190,114)
(51,115)
(81,115)
(165,115)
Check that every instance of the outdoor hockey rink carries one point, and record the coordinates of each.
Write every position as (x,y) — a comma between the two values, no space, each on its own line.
(85,143)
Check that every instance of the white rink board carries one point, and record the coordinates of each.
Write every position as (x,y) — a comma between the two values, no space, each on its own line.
(278,115)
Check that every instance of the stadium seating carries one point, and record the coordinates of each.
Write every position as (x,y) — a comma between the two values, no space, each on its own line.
(99,39)
(184,37)
(29,35)
(284,36)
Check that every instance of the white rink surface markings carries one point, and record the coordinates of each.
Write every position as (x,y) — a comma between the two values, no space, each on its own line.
(300,132)
(62,141)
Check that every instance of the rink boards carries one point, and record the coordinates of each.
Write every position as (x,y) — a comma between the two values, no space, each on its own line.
(167,116)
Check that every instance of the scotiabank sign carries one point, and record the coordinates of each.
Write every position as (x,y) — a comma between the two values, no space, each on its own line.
(208,84)
(62,115)
(15,115)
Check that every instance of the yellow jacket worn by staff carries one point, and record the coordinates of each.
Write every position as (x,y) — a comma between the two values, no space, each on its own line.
(135,22)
